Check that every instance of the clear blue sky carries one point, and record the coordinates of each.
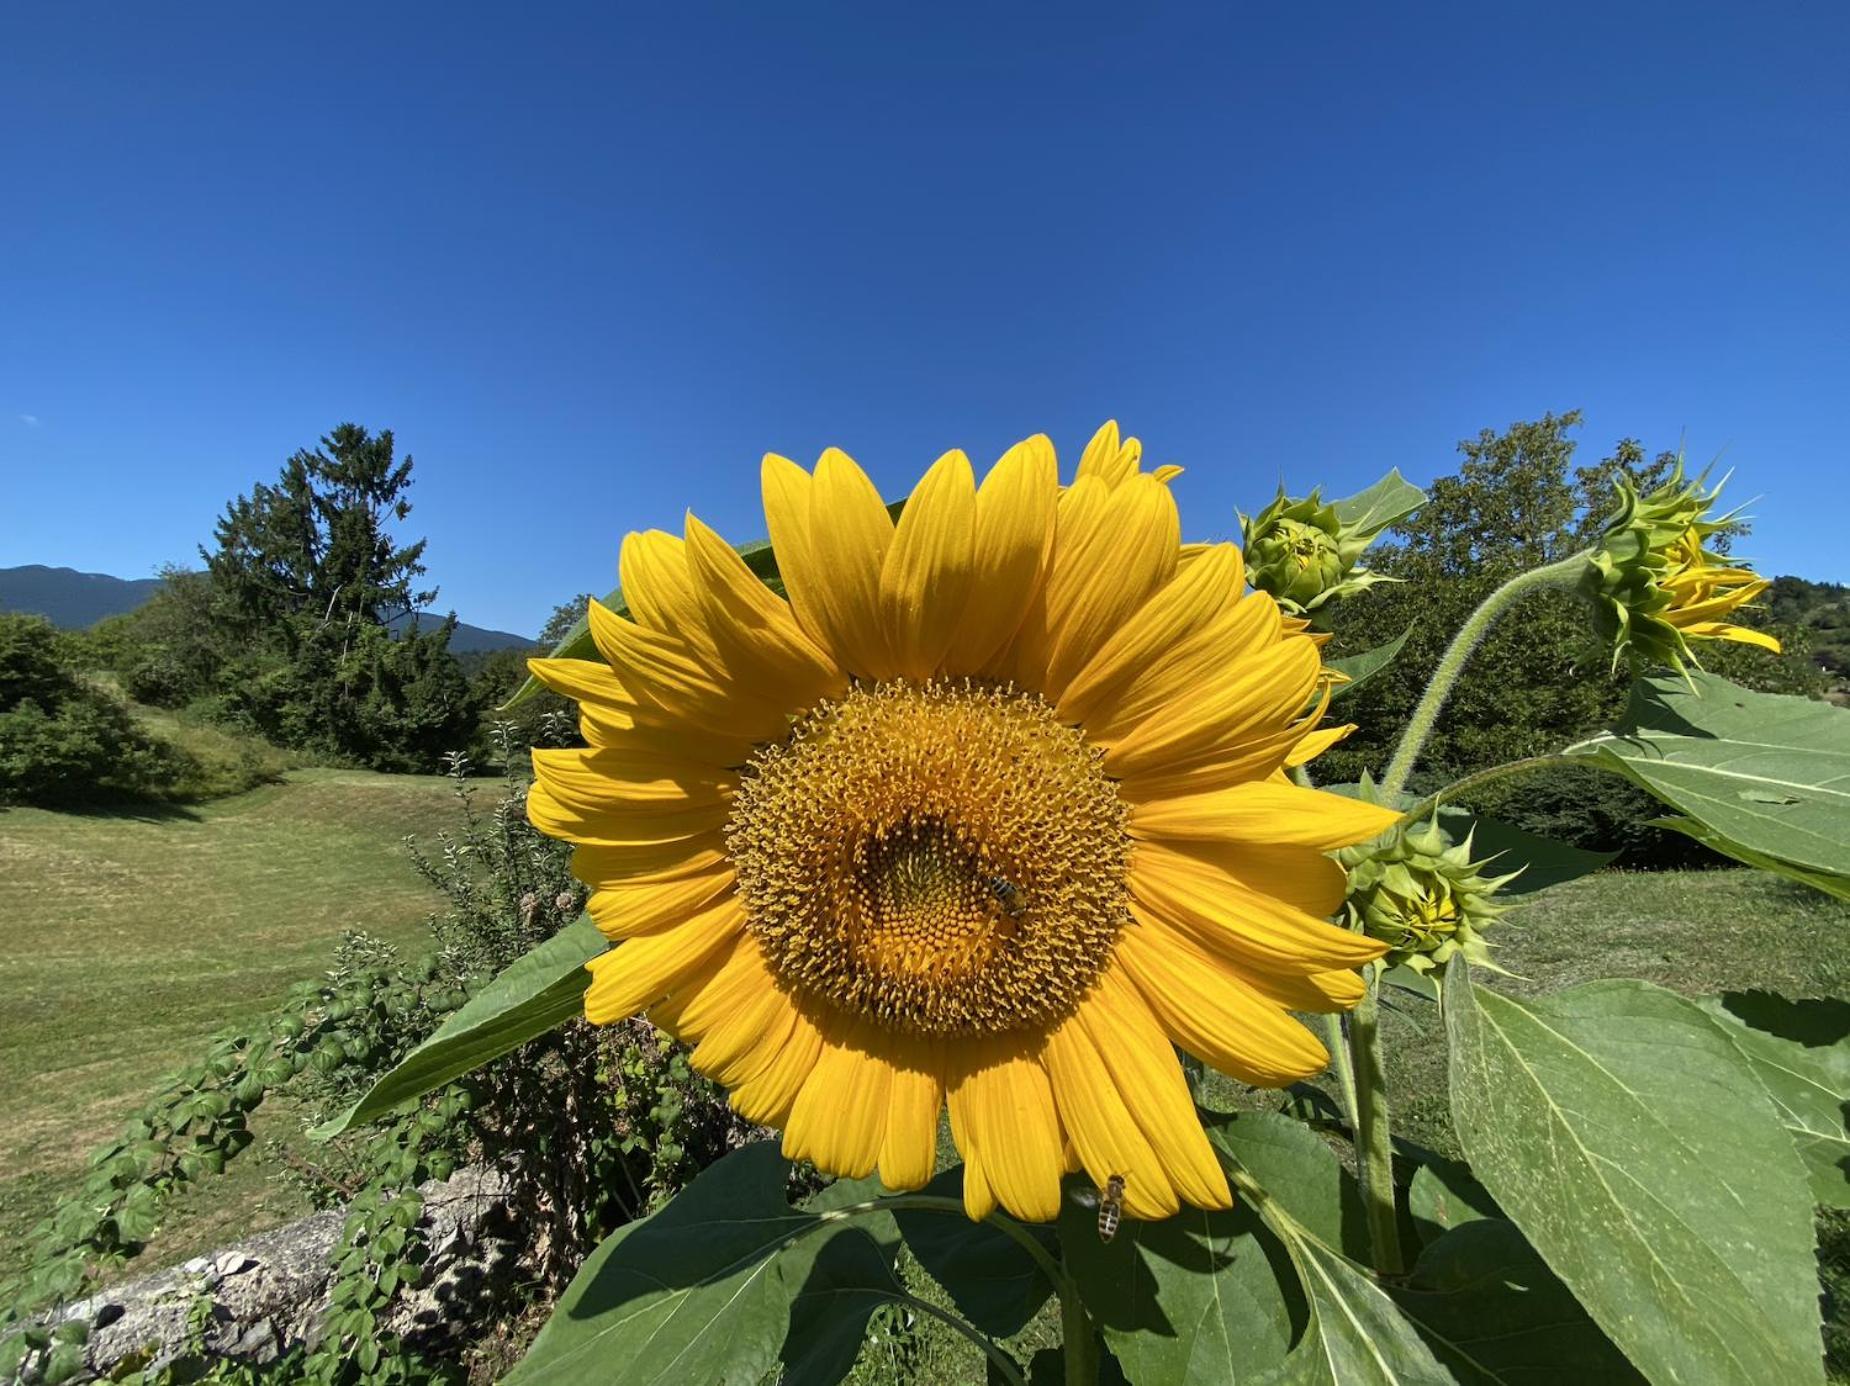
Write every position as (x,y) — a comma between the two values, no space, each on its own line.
(590,263)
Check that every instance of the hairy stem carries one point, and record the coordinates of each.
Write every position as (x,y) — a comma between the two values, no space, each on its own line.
(1336,1037)
(1457,789)
(1374,1138)
(1000,1360)
(1477,625)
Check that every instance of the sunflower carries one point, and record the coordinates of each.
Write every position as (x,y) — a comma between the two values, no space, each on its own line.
(1653,582)
(992,813)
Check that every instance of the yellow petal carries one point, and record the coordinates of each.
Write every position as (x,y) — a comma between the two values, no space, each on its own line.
(849,534)
(757,638)
(929,571)
(979,1194)
(1186,604)
(1267,812)
(767,1098)
(839,1120)
(1149,1079)
(634,974)
(621,825)
(667,676)
(909,1151)
(660,590)
(1320,993)
(1002,1108)
(1014,538)
(786,488)
(1107,459)
(597,777)
(1254,929)
(584,681)
(1263,692)
(1302,877)
(1112,550)
(1174,677)
(1166,473)
(1105,1136)
(641,862)
(1316,743)
(1204,1007)
(641,907)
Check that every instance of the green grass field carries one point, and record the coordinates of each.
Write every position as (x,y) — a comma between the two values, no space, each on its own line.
(130,938)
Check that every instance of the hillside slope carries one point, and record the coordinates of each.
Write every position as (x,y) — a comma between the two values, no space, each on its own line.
(73,600)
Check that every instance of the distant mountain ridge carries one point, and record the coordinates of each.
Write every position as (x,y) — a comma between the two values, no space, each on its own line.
(73,600)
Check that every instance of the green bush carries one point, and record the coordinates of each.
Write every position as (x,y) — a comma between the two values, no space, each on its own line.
(62,739)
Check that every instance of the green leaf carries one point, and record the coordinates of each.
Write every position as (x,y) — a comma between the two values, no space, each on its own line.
(1299,1173)
(1495,1315)
(992,1280)
(1804,1067)
(1201,1297)
(578,644)
(717,1286)
(530,996)
(1444,1195)
(1631,1143)
(1390,499)
(1364,666)
(1762,777)
(1542,861)
(1353,1332)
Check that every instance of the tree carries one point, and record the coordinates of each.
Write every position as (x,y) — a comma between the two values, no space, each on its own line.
(1541,679)
(309,581)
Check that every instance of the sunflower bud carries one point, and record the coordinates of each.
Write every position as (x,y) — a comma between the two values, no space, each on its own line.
(1424,898)
(1301,553)
(1655,586)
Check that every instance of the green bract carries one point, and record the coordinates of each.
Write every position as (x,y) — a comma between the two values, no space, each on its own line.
(1301,552)
(1424,897)
(1654,584)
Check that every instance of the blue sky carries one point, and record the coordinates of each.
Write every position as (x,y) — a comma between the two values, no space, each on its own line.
(590,263)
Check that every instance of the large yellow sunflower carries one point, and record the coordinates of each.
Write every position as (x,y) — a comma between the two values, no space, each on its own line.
(991,812)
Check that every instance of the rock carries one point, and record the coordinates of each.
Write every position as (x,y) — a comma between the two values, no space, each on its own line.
(266,1295)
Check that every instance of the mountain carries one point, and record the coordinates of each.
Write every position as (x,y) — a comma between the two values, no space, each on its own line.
(68,598)
(71,599)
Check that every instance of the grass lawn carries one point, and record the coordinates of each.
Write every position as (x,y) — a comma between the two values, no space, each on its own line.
(1696,932)
(131,937)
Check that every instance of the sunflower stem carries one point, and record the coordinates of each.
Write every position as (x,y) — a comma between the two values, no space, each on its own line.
(1336,1035)
(1457,789)
(1374,1138)
(1078,1336)
(1005,1365)
(1419,726)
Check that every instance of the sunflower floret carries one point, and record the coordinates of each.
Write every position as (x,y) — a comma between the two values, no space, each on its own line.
(1422,895)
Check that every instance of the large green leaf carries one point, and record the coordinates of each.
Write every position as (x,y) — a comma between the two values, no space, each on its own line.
(1353,1332)
(577,644)
(1804,1066)
(530,996)
(720,1285)
(1357,1335)
(1631,1143)
(1495,1315)
(990,1277)
(1359,668)
(1390,499)
(1201,1297)
(1762,777)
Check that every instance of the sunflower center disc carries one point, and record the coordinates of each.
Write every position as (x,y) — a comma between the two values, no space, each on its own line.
(945,858)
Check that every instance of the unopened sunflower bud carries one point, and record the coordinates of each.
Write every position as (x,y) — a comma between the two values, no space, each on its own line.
(1300,553)
(1654,585)
(1423,897)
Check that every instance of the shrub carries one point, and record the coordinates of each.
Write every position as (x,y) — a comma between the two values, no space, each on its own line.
(64,740)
